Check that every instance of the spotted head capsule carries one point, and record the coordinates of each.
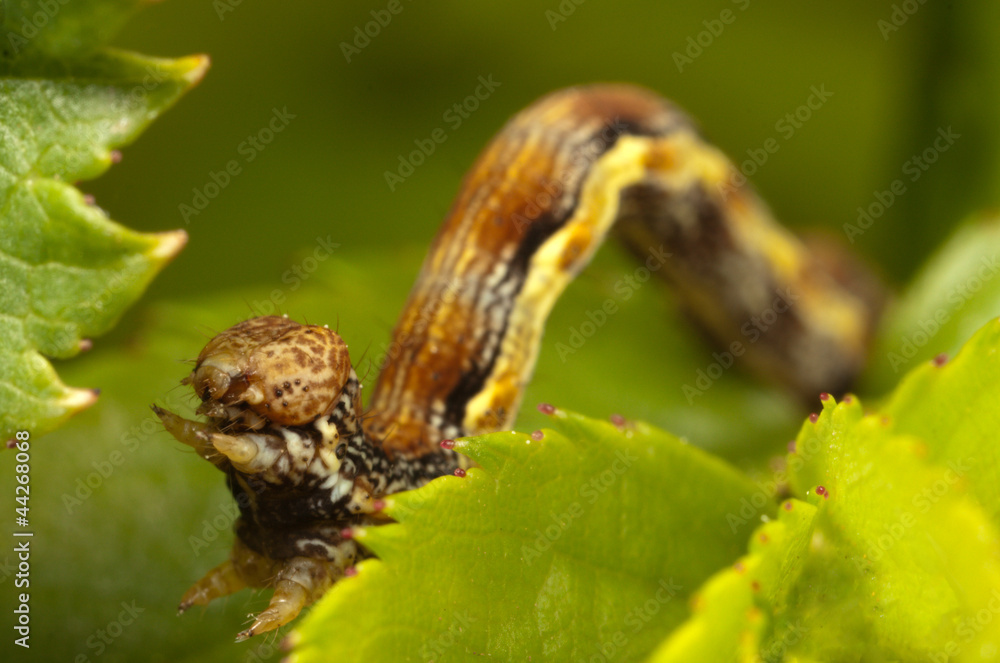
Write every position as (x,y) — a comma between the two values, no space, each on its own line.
(273,369)
(285,423)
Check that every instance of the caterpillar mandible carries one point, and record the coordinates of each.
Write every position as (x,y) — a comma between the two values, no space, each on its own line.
(284,418)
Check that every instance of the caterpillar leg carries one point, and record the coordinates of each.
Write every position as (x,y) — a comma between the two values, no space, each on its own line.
(247,453)
(283,404)
(221,581)
(284,424)
(244,568)
(300,581)
(191,433)
(297,582)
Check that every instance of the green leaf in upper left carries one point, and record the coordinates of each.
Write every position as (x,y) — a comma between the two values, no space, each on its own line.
(67,271)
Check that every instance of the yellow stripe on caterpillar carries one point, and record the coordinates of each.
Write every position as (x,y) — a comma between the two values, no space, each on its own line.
(307,466)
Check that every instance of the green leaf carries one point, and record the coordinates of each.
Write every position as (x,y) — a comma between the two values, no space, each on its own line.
(952,296)
(61,27)
(95,567)
(952,407)
(899,549)
(903,555)
(118,454)
(562,548)
(740,614)
(67,272)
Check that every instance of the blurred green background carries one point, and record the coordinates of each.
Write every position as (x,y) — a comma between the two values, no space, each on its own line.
(129,539)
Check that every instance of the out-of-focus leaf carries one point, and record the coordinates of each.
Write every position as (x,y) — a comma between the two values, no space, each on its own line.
(67,272)
(951,297)
(741,613)
(896,553)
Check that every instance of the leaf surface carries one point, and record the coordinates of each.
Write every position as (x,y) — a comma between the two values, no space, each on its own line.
(586,542)
(67,272)
(901,551)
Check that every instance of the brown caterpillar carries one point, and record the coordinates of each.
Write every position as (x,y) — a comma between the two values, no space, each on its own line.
(282,402)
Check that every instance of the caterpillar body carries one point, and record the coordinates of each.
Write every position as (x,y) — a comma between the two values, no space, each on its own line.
(281,401)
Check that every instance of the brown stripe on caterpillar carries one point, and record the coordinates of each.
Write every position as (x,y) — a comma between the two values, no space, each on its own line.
(531,212)
(520,192)
(282,400)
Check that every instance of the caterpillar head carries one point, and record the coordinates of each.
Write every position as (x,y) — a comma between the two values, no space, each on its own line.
(284,420)
(284,423)
(272,370)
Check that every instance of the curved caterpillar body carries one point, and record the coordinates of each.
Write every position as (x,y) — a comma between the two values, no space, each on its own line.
(283,409)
